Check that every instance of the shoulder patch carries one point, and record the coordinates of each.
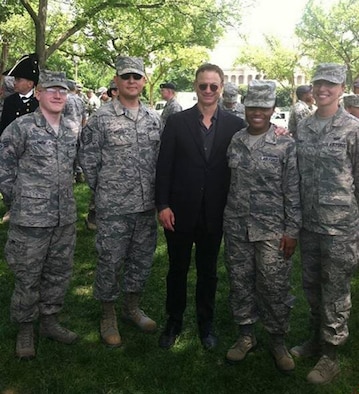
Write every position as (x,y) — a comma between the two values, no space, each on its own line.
(86,137)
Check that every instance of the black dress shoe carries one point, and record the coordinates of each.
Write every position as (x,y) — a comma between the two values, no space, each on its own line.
(169,335)
(209,341)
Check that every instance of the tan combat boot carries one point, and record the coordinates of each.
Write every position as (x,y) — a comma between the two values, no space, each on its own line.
(324,371)
(51,328)
(131,313)
(108,325)
(25,349)
(239,350)
(282,358)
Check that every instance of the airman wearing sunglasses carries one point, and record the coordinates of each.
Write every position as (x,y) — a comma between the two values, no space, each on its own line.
(192,181)
(118,152)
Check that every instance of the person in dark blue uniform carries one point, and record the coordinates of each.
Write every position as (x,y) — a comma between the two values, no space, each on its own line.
(23,101)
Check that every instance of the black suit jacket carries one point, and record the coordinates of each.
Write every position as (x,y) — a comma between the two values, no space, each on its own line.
(15,107)
(185,179)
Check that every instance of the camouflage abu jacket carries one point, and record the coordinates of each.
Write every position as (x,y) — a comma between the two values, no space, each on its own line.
(118,155)
(263,201)
(36,171)
(329,170)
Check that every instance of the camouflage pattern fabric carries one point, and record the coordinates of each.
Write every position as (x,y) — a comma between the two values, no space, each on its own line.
(260,93)
(263,201)
(49,79)
(230,96)
(125,247)
(172,106)
(237,110)
(36,167)
(329,169)
(299,111)
(332,72)
(126,65)
(41,260)
(230,92)
(74,111)
(328,265)
(259,279)
(263,204)
(351,100)
(118,155)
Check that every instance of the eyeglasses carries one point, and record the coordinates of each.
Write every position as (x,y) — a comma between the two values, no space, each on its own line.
(127,76)
(63,92)
(212,86)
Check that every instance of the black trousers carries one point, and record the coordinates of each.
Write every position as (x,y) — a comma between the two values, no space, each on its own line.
(179,246)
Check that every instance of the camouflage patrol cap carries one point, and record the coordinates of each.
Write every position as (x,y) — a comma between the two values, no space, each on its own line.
(126,65)
(351,100)
(261,94)
(331,72)
(49,79)
(7,86)
(71,84)
(230,93)
(113,84)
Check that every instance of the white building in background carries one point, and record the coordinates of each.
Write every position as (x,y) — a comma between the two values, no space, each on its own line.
(242,75)
(225,54)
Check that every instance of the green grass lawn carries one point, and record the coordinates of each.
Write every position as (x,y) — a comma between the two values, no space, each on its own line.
(140,366)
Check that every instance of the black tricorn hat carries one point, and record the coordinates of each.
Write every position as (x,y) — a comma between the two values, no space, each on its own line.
(27,67)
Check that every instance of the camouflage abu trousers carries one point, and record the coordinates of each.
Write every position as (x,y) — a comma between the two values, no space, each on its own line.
(259,279)
(125,246)
(41,259)
(328,264)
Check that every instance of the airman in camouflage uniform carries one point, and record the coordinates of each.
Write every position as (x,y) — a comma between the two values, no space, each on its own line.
(229,101)
(302,108)
(75,109)
(6,89)
(351,104)
(262,219)
(37,152)
(328,151)
(75,117)
(172,106)
(118,153)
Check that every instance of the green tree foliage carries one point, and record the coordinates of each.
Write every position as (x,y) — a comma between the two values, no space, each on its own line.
(331,34)
(273,61)
(8,8)
(94,32)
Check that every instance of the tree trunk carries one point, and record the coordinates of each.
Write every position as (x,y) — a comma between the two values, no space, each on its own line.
(3,56)
(40,26)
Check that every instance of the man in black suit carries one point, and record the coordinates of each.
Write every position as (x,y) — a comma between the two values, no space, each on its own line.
(26,73)
(192,181)
(26,76)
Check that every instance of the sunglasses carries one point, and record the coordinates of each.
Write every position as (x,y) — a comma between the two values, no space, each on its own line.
(127,76)
(212,86)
